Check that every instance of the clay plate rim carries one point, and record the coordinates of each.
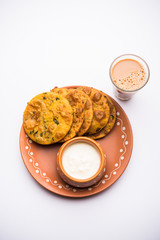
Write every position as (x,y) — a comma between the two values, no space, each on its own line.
(99,189)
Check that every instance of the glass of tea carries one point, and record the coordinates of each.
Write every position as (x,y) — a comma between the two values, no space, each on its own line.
(129,73)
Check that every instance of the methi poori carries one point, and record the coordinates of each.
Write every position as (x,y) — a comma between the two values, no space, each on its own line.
(47,118)
(74,97)
(101,110)
(110,123)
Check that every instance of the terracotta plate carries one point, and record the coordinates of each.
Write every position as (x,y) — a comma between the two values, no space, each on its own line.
(41,160)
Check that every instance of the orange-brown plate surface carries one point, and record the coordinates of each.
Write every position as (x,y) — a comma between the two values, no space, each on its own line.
(41,160)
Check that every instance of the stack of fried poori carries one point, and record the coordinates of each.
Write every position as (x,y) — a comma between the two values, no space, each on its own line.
(63,113)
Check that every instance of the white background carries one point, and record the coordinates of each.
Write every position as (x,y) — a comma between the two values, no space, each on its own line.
(58,43)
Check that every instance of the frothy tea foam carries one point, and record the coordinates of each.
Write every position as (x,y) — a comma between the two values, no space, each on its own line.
(128,74)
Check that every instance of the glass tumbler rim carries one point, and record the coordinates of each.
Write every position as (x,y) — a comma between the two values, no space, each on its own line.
(135,56)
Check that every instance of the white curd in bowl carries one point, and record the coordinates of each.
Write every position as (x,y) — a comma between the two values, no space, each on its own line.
(81,160)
